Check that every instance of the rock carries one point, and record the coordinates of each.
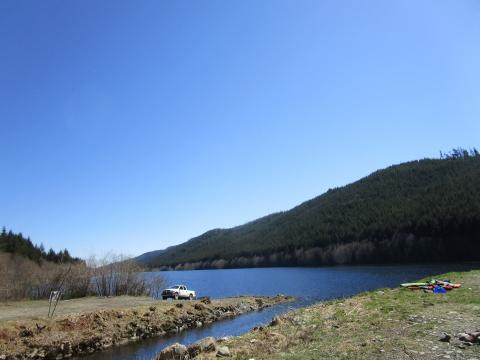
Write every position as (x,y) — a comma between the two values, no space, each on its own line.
(206,300)
(275,321)
(25,333)
(199,307)
(475,334)
(198,324)
(152,308)
(445,337)
(179,305)
(467,337)
(223,351)
(66,347)
(205,345)
(33,354)
(176,351)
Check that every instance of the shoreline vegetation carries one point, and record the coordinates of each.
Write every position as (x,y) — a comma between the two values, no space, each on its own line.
(382,324)
(23,277)
(92,324)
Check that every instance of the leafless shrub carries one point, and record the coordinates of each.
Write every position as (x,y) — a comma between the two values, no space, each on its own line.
(112,275)
(21,278)
(154,285)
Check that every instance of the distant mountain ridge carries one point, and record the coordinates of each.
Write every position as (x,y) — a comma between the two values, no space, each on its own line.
(146,257)
(419,211)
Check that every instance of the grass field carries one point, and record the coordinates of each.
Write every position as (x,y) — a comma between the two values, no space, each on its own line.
(38,309)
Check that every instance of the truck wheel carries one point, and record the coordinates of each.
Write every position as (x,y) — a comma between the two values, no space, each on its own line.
(164,298)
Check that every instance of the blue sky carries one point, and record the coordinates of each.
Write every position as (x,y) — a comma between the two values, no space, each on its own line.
(135,125)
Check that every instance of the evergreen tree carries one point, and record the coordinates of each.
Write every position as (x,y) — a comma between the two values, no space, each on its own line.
(18,244)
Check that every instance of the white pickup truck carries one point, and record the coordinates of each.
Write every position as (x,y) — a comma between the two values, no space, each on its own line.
(178,292)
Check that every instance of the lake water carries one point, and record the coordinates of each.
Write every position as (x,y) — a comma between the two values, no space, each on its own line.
(309,285)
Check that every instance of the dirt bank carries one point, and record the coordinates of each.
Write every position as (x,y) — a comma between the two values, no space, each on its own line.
(383,324)
(87,325)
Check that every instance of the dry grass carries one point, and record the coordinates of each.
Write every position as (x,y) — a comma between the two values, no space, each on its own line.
(38,309)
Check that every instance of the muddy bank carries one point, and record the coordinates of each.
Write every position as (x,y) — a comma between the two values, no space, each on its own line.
(87,332)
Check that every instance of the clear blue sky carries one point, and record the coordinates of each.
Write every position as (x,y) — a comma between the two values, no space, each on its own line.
(135,125)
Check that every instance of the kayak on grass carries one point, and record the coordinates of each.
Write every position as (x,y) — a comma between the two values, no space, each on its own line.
(432,284)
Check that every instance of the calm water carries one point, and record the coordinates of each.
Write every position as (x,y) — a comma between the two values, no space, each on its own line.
(310,285)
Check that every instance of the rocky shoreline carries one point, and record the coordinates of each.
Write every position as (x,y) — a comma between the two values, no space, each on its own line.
(83,333)
(383,324)
(394,323)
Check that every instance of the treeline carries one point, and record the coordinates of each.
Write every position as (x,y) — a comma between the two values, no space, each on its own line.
(402,248)
(420,211)
(17,244)
(459,153)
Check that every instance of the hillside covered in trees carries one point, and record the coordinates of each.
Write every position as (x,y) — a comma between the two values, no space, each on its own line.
(419,211)
(19,245)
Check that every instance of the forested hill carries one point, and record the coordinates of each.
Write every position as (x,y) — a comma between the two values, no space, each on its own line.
(17,244)
(419,211)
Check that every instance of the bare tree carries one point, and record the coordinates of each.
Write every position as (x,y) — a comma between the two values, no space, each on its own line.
(155,285)
(111,275)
